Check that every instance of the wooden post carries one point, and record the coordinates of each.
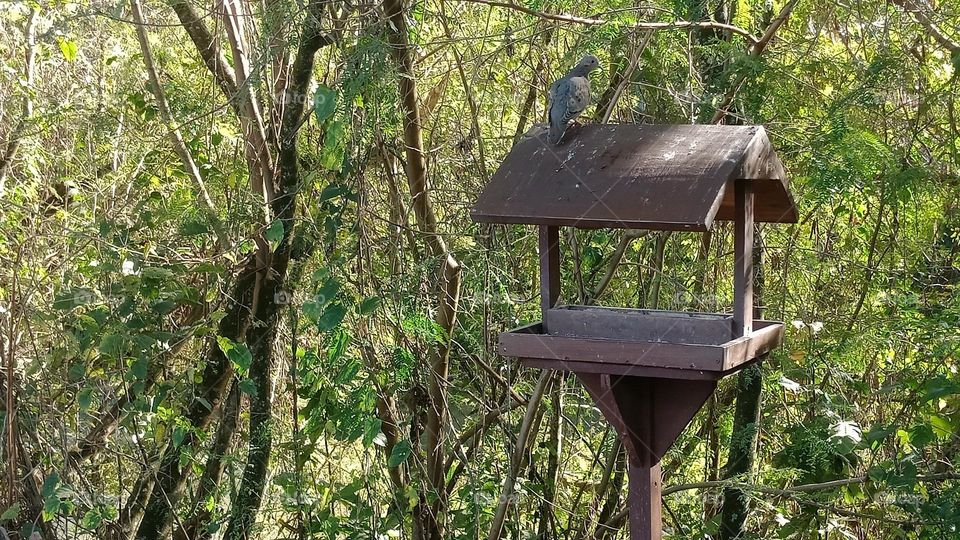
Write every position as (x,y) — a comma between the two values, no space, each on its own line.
(743,259)
(643,462)
(549,269)
(644,501)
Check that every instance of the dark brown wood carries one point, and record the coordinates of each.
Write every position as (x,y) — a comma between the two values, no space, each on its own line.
(670,177)
(641,325)
(648,414)
(644,500)
(623,369)
(638,357)
(549,243)
(607,351)
(743,259)
(766,336)
(764,211)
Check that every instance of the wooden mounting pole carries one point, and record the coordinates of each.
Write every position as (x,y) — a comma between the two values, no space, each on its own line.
(644,502)
(549,269)
(644,466)
(743,259)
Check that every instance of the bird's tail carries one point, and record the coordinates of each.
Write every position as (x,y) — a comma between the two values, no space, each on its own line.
(555,133)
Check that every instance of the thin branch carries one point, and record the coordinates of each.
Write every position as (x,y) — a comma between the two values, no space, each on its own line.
(614,262)
(922,17)
(179,146)
(6,161)
(509,482)
(756,49)
(779,492)
(638,26)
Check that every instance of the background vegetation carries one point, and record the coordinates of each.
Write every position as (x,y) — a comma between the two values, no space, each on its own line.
(241,295)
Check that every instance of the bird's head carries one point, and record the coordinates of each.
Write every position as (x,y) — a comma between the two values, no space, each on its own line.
(589,63)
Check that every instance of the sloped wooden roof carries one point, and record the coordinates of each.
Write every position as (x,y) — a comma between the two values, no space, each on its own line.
(673,177)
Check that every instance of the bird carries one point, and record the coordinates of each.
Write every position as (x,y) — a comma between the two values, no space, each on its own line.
(569,96)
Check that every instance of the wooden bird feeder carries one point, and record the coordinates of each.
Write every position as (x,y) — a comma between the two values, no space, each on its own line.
(649,371)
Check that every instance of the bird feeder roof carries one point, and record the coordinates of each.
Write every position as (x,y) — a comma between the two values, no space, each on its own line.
(630,176)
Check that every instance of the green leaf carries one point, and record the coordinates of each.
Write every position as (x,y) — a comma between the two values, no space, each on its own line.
(336,134)
(10,513)
(156,273)
(942,427)
(333,191)
(328,292)
(312,310)
(348,373)
(139,368)
(50,485)
(92,519)
(84,398)
(371,430)
(939,387)
(324,103)
(238,353)
(369,305)
(274,232)
(331,158)
(248,387)
(112,345)
(179,434)
(68,48)
(51,506)
(400,453)
(331,317)
(921,435)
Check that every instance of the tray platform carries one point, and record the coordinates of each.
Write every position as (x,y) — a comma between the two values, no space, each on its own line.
(647,343)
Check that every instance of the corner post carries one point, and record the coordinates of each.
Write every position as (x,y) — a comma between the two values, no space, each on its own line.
(743,258)
(549,269)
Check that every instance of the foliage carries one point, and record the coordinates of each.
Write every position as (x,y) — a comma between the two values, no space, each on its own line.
(118,289)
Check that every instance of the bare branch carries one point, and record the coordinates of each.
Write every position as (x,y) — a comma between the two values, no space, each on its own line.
(638,26)
(179,146)
(13,144)
(922,16)
(755,50)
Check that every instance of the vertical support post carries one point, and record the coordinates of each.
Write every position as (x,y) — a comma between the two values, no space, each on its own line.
(644,464)
(549,269)
(644,501)
(743,259)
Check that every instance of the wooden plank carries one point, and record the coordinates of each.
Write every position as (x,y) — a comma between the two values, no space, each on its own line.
(641,325)
(743,259)
(549,241)
(625,176)
(623,369)
(604,351)
(772,203)
(759,161)
(766,336)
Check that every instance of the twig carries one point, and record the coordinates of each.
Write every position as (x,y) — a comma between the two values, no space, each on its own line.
(179,146)
(756,49)
(639,26)
(509,482)
(779,492)
(614,262)
(924,19)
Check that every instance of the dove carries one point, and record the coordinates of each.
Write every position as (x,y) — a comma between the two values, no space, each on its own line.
(569,96)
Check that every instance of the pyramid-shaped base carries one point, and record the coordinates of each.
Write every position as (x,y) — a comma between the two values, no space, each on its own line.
(649,414)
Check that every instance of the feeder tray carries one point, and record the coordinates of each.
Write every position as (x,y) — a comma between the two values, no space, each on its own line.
(647,343)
